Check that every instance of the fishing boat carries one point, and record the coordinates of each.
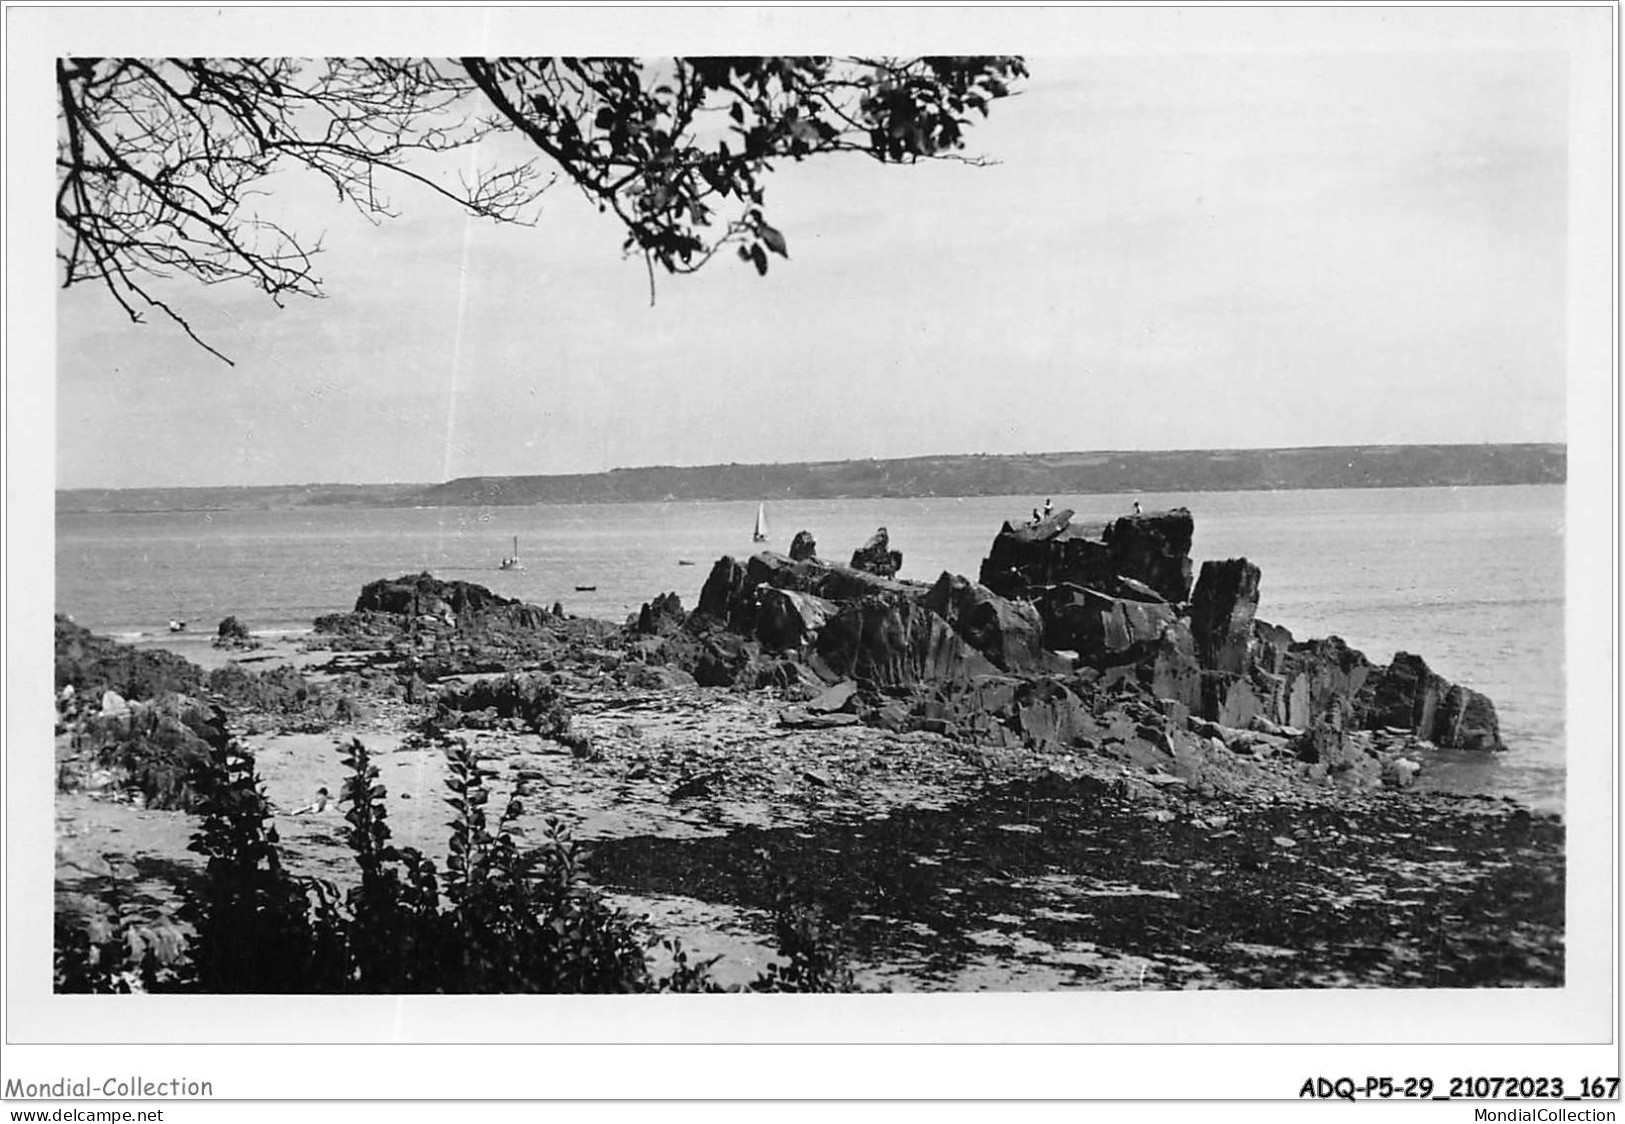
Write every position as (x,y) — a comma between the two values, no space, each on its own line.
(760,534)
(512,561)
(177,626)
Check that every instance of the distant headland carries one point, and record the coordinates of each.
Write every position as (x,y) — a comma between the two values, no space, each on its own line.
(1083,473)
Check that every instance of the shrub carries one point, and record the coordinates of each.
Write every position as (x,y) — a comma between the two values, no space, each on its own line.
(500,918)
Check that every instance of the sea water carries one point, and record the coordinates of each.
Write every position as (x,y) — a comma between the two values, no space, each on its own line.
(1469,578)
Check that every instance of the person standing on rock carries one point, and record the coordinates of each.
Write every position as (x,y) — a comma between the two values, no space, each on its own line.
(1136,507)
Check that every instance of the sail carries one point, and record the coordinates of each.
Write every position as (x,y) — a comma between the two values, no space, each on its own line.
(760,534)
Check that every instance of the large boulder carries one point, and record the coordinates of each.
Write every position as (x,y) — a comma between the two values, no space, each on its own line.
(1155,548)
(1103,630)
(891,642)
(1222,610)
(1151,550)
(787,619)
(460,603)
(1009,633)
(803,547)
(877,557)
(1467,720)
(1027,559)
(723,594)
(1406,695)
(1319,673)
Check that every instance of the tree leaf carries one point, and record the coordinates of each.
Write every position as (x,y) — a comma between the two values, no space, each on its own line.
(775,240)
(759,258)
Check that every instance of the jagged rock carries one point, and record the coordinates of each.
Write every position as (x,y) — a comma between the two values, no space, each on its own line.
(1172,672)
(1270,645)
(1222,609)
(1151,550)
(420,595)
(1048,713)
(1154,548)
(892,642)
(1007,632)
(786,619)
(722,595)
(1104,631)
(802,547)
(877,557)
(661,617)
(725,660)
(1234,700)
(1467,720)
(1028,559)
(1317,672)
(1407,694)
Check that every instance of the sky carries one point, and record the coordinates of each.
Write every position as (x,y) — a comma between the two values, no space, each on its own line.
(1210,241)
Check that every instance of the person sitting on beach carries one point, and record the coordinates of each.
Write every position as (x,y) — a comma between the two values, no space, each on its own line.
(315,806)
(1036,519)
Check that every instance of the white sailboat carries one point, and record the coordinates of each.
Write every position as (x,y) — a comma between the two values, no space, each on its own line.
(512,561)
(760,534)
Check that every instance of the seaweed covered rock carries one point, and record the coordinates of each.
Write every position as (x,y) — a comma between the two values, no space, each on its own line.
(233,633)
(454,602)
(523,700)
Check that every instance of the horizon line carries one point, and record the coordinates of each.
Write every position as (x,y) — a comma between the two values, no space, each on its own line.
(1563,444)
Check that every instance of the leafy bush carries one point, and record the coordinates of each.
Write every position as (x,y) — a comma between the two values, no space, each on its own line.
(500,918)
(155,749)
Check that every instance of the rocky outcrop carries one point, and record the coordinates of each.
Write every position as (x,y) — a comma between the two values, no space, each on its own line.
(451,602)
(1103,630)
(787,619)
(877,557)
(1408,695)
(1154,548)
(660,617)
(892,642)
(1467,720)
(1009,633)
(802,547)
(1317,674)
(1222,610)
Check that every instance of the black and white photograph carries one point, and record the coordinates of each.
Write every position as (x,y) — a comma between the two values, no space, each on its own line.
(569,526)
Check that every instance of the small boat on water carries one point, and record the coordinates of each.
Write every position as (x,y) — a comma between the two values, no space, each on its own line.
(760,534)
(684,562)
(177,626)
(586,589)
(512,561)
